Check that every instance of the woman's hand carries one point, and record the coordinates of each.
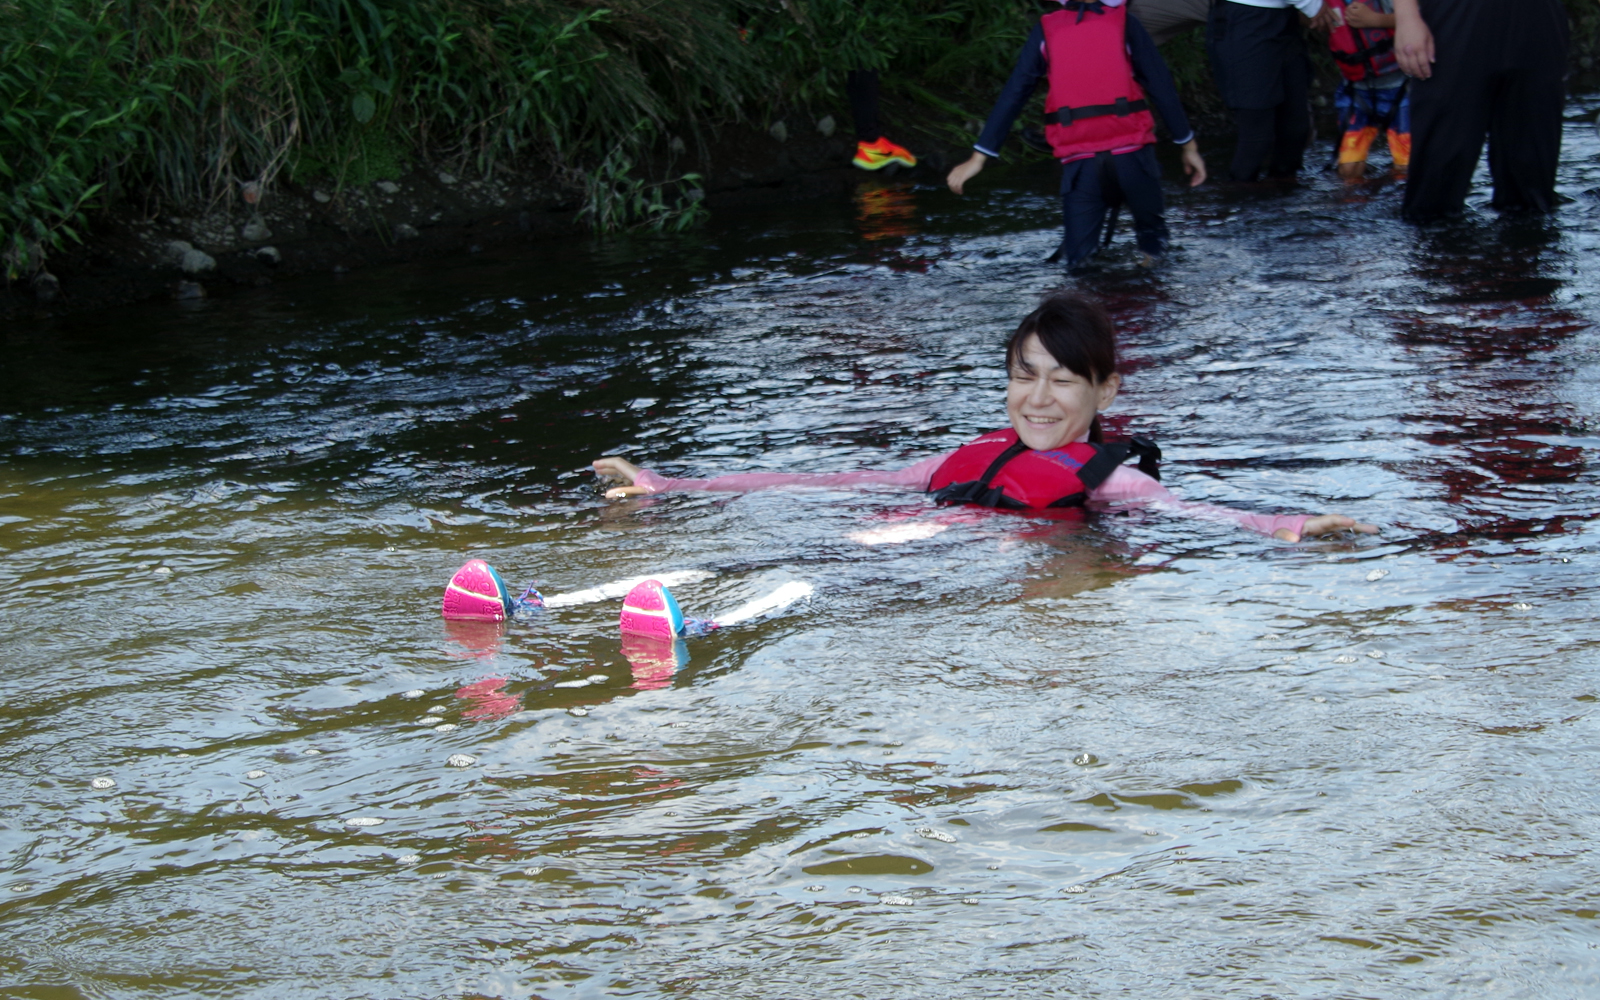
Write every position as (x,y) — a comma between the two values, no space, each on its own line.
(612,467)
(1324,524)
(965,171)
(1413,42)
(1193,164)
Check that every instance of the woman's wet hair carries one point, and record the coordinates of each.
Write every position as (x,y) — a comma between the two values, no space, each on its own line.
(1077,332)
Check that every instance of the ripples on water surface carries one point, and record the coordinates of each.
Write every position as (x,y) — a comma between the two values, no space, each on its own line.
(1134,756)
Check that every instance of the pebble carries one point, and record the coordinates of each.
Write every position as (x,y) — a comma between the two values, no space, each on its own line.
(578,711)
(826,125)
(255,231)
(929,833)
(388,187)
(815,888)
(779,131)
(445,178)
(413,693)
(438,709)
(1520,606)
(405,231)
(1084,759)
(598,678)
(448,727)
(1075,889)
(363,821)
(162,571)
(1377,574)
(103,783)
(897,900)
(198,262)
(253,775)
(269,255)
(322,197)
(46,287)
(460,760)
(429,720)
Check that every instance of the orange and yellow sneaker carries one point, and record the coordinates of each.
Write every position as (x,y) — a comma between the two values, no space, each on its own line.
(877,155)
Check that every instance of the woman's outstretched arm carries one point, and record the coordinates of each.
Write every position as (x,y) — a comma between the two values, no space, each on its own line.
(1131,484)
(639,481)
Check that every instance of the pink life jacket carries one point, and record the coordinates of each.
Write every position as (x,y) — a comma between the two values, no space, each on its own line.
(998,470)
(1361,52)
(1094,104)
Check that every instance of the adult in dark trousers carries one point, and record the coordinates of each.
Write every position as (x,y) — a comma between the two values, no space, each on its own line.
(1482,67)
(1258,56)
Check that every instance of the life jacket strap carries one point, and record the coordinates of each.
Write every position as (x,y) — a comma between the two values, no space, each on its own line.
(1122,108)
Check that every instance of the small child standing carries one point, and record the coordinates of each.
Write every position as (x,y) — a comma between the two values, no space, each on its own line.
(1100,65)
(1373,97)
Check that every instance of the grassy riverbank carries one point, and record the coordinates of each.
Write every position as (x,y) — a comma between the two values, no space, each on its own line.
(196,105)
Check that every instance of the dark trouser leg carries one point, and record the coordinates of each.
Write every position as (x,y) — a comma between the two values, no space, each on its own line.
(1083,210)
(1448,121)
(1255,142)
(1292,119)
(862,86)
(1525,113)
(1139,175)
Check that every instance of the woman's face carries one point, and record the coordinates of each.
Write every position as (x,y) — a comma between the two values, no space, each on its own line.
(1051,405)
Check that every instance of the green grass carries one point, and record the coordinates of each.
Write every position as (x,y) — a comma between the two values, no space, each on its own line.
(176,105)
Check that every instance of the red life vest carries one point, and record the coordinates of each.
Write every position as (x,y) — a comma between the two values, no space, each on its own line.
(998,470)
(1361,52)
(1094,104)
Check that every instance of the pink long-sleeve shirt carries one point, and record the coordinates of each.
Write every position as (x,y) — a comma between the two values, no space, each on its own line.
(1125,484)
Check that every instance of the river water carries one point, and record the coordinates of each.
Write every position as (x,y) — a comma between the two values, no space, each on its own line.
(992,756)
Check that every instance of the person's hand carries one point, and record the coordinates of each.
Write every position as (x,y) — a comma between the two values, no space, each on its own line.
(965,171)
(1326,20)
(1193,164)
(1324,524)
(1413,42)
(1359,15)
(612,467)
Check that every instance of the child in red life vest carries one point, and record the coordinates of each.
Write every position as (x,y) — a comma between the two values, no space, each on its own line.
(1373,96)
(1062,367)
(1105,74)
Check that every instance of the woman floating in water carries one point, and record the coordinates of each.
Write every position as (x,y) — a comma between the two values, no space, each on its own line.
(1062,363)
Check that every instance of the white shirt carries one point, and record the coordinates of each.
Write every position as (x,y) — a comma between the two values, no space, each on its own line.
(1307,7)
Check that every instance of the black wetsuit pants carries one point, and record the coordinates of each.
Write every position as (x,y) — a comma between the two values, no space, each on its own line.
(1499,69)
(1090,187)
(1258,56)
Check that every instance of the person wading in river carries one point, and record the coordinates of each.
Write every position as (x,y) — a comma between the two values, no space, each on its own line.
(1104,75)
(1258,56)
(1062,367)
(1500,71)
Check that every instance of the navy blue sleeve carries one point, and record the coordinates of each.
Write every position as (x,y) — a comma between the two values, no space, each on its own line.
(1152,73)
(1024,78)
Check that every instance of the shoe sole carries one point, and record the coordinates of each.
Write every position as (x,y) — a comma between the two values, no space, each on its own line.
(884,163)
